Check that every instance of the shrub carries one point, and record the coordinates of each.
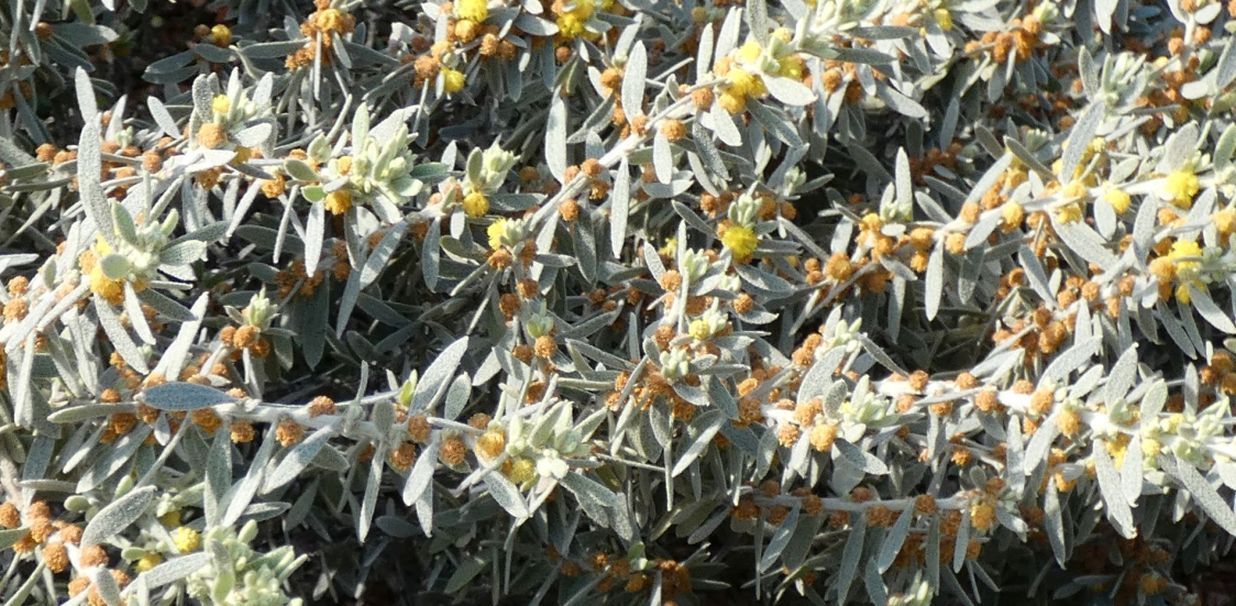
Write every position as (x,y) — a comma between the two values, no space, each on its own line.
(615,301)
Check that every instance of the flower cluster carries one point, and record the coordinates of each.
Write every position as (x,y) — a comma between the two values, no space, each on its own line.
(835,301)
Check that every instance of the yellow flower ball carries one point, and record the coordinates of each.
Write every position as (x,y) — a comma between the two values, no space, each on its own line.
(741,240)
(1070,213)
(343,165)
(494,232)
(750,52)
(521,471)
(221,35)
(1182,294)
(1119,199)
(170,519)
(790,67)
(1180,187)
(186,539)
(475,204)
(452,80)
(943,18)
(220,104)
(732,103)
(745,84)
(472,10)
(570,26)
(490,445)
(1074,190)
(110,290)
(1182,249)
(148,561)
(338,201)
(698,330)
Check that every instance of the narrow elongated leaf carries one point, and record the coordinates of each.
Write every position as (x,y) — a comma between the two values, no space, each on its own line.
(1204,494)
(555,138)
(780,539)
(184,396)
(507,495)
(298,459)
(893,541)
(436,378)
(633,80)
(118,515)
(1114,500)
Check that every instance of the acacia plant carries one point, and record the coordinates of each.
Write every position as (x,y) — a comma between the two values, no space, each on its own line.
(616,301)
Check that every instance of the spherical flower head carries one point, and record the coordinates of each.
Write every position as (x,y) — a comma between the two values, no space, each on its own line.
(571,22)
(732,103)
(1182,249)
(741,241)
(943,18)
(1225,221)
(221,35)
(1118,199)
(10,517)
(490,445)
(186,539)
(211,135)
(823,437)
(472,10)
(334,20)
(289,432)
(699,330)
(505,233)
(148,561)
(1069,422)
(1183,296)
(1180,186)
(1074,190)
(56,557)
(743,83)
(342,164)
(338,202)
(750,52)
(570,26)
(1069,213)
(791,66)
(220,104)
(110,290)
(453,451)
(452,80)
(521,471)
(982,514)
(475,205)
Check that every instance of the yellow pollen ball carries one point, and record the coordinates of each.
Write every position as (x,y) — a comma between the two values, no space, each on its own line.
(338,201)
(1119,199)
(186,539)
(148,561)
(220,104)
(698,330)
(452,80)
(221,35)
(494,232)
(472,10)
(522,470)
(741,240)
(1180,187)
(943,18)
(750,52)
(475,204)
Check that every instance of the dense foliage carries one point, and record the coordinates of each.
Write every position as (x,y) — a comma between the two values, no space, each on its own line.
(616,301)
